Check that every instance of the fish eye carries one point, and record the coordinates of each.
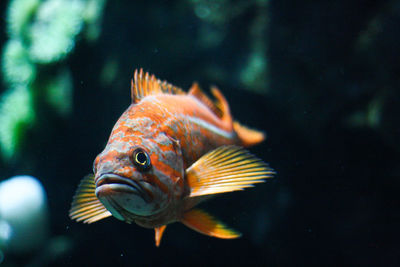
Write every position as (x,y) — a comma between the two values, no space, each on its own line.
(141,159)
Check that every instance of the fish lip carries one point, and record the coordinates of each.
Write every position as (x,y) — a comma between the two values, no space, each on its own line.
(112,178)
(129,185)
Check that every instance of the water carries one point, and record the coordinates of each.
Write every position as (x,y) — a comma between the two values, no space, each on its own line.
(320,79)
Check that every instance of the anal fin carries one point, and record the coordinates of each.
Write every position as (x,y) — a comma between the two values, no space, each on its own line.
(206,224)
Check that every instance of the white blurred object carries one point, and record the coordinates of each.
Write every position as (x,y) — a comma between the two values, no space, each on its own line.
(23,214)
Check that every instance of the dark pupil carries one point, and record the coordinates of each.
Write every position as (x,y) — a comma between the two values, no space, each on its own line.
(141,158)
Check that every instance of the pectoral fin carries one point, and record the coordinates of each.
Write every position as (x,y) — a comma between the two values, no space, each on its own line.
(85,205)
(204,223)
(159,231)
(226,169)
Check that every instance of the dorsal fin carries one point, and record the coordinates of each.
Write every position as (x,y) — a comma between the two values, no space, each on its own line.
(247,136)
(145,84)
(196,91)
(222,105)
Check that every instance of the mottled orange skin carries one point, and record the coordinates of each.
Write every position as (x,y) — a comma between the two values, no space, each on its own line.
(164,127)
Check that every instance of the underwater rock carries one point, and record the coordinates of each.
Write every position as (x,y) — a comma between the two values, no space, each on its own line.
(19,16)
(17,68)
(59,92)
(219,27)
(16,114)
(254,75)
(219,12)
(41,33)
(92,15)
(23,214)
(53,32)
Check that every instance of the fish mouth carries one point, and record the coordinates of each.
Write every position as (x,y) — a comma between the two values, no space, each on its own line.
(120,184)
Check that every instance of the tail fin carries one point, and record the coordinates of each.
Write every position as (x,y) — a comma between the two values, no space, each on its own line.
(248,137)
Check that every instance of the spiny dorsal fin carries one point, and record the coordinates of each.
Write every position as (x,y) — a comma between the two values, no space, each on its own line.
(85,205)
(196,91)
(145,84)
(226,169)
(206,224)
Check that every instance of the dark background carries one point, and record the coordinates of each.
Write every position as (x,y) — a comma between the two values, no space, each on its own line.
(334,199)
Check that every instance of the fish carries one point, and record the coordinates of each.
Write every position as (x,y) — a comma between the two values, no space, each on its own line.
(168,152)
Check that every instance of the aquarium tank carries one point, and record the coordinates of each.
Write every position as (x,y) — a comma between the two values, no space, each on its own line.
(317,81)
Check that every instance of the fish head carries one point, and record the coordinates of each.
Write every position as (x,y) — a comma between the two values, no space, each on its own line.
(139,178)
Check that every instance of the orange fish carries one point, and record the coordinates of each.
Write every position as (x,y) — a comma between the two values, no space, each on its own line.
(169,151)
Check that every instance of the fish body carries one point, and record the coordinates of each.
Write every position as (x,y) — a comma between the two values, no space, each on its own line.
(160,160)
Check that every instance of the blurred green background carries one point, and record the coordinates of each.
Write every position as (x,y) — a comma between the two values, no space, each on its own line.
(321,78)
